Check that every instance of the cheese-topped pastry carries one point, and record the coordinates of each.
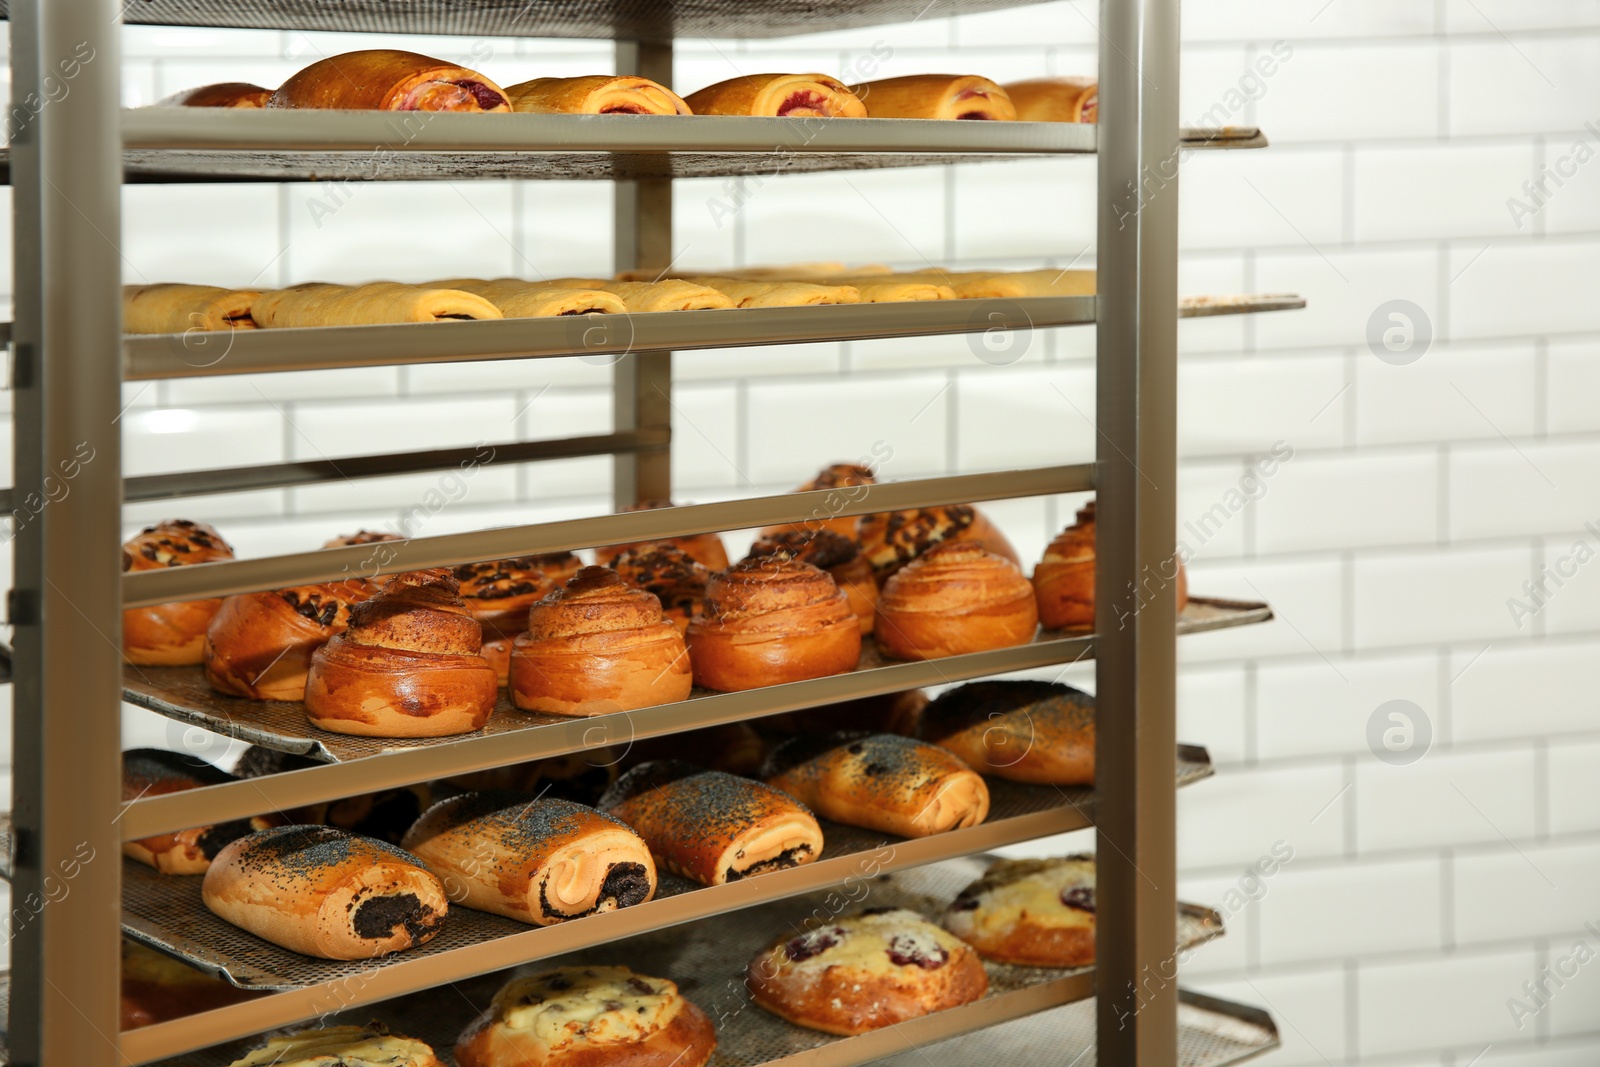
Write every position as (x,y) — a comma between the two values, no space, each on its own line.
(1034,912)
(342,1046)
(588,1015)
(864,972)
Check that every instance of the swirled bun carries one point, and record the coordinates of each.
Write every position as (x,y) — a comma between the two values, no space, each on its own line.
(891,540)
(170,635)
(259,645)
(770,621)
(1063,581)
(835,553)
(846,480)
(500,592)
(955,598)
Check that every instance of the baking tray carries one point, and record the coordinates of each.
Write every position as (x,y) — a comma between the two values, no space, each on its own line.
(181,693)
(706,959)
(166,911)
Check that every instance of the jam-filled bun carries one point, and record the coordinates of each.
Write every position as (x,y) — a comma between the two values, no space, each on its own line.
(1039,913)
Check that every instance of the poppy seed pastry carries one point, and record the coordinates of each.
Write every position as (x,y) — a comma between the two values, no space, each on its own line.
(586,1017)
(864,972)
(1038,913)
(155,772)
(1024,731)
(955,598)
(170,635)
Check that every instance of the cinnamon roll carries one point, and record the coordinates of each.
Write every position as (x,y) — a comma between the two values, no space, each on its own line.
(955,598)
(170,635)
(1063,582)
(499,594)
(889,541)
(848,482)
(838,555)
(673,576)
(259,645)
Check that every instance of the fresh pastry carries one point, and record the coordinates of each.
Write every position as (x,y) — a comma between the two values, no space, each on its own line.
(840,556)
(976,285)
(707,548)
(762,294)
(518,299)
(342,1046)
(321,304)
(595,646)
(1063,582)
(385,79)
(1025,731)
(361,537)
(734,747)
(386,814)
(769,621)
(1039,913)
(712,827)
(149,772)
(322,892)
(595,94)
(898,291)
(673,576)
(891,540)
(847,482)
(171,307)
(223,94)
(935,96)
(533,859)
(581,777)
(669,294)
(259,645)
(791,95)
(888,713)
(499,593)
(881,782)
(1055,99)
(952,599)
(157,988)
(585,1017)
(864,972)
(170,635)
(407,666)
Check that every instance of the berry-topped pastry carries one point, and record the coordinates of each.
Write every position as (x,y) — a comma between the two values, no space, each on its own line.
(1035,912)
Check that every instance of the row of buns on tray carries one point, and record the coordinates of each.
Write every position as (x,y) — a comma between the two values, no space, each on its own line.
(392,80)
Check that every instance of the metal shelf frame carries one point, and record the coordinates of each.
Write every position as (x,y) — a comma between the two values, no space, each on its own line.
(66,164)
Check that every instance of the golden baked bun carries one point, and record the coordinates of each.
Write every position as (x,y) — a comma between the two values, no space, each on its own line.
(407,666)
(1055,99)
(864,972)
(676,578)
(1063,582)
(707,549)
(386,814)
(222,94)
(157,988)
(588,1017)
(1038,913)
(596,646)
(955,598)
(259,645)
(936,96)
(1024,731)
(500,592)
(595,94)
(890,541)
(342,1046)
(361,537)
(847,480)
(322,892)
(887,713)
(779,95)
(835,553)
(386,79)
(880,782)
(170,635)
(148,772)
(533,859)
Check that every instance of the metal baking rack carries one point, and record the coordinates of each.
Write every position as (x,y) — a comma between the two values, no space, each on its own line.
(66,163)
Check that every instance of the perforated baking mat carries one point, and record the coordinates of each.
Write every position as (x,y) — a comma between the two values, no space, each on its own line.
(707,958)
(166,911)
(181,693)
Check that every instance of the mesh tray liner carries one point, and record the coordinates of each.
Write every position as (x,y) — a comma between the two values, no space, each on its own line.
(706,958)
(166,912)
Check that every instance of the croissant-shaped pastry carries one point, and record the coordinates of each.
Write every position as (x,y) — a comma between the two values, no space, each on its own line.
(673,576)
(889,541)
(770,621)
(322,892)
(847,480)
(170,635)
(935,96)
(1010,284)
(1055,99)
(955,598)
(342,1046)
(386,814)
(259,645)
(596,94)
(595,646)
(407,666)
(707,549)
(153,772)
(838,555)
(791,95)
(1063,581)
(765,294)
(385,79)
(881,782)
(222,94)
(711,827)
(1024,731)
(321,304)
(518,299)
(499,594)
(170,307)
(533,859)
